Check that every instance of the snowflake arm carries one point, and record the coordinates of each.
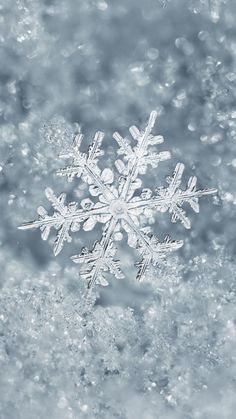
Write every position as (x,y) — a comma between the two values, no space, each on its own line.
(67,218)
(150,247)
(172,198)
(139,157)
(100,259)
(86,166)
(161,249)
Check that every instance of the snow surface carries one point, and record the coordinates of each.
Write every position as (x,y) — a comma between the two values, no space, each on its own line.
(164,347)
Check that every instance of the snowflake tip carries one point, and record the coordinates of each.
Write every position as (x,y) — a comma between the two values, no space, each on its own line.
(152,119)
(25,226)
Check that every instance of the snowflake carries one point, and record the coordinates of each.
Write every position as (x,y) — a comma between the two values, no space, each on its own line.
(118,207)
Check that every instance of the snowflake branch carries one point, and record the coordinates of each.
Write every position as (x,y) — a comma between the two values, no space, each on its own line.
(85,165)
(139,158)
(100,258)
(65,218)
(151,249)
(172,198)
(132,174)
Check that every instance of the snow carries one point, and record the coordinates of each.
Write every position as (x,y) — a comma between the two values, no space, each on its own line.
(159,348)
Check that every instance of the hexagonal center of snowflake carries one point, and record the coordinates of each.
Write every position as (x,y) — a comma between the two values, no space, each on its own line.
(118,208)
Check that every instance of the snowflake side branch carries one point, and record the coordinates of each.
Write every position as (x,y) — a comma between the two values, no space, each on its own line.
(142,266)
(94,150)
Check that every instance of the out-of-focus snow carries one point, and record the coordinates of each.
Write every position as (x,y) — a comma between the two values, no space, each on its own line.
(163,349)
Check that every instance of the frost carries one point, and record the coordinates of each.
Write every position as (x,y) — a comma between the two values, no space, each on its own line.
(119,206)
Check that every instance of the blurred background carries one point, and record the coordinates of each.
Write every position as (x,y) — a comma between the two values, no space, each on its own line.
(152,350)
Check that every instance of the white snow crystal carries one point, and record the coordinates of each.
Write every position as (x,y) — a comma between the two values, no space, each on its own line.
(117,206)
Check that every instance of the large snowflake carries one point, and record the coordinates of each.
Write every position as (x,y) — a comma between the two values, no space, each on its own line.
(118,207)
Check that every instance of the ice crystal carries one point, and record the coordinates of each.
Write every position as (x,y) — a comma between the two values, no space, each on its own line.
(119,207)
